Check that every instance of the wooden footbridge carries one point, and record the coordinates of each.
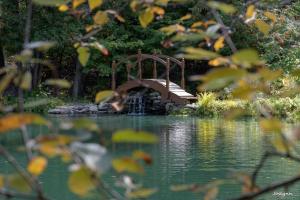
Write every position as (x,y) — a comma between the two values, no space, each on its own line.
(169,91)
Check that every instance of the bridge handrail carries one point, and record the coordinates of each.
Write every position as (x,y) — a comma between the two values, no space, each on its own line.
(156,58)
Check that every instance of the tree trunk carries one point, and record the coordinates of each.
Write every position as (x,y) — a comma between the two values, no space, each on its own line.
(77,80)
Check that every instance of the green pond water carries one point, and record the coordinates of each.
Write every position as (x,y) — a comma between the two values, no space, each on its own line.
(190,150)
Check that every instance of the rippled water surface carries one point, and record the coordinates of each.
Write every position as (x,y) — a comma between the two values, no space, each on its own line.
(191,150)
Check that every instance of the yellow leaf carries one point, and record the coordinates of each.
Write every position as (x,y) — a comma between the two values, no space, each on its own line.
(219,44)
(2,181)
(26,81)
(141,193)
(63,8)
(280,144)
(250,12)
(101,18)
(226,8)
(103,95)
(83,55)
(271,16)
(197,24)
(131,136)
(59,83)
(262,26)
(271,125)
(211,194)
(81,181)
(186,17)
(127,164)
(77,3)
(37,165)
(219,61)
(95,3)
(146,17)
(142,156)
(158,10)
(172,29)
(120,18)
(133,5)
(14,121)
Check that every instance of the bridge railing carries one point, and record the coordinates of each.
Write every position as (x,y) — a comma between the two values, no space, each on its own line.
(157,58)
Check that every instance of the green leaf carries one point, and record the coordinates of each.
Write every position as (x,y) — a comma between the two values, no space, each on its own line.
(51,2)
(142,193)
(220,78)
(127,164)
(246,57)
(103,95)
(18,183)
(26,81)
(80,181)
(59,83)
(146,17)
(226,8)
(198,54)
(83,55)
(131,136)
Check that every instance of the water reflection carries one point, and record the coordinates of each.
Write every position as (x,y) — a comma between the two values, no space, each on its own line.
(190,150)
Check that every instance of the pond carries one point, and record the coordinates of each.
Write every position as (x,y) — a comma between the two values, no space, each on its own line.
(191,150)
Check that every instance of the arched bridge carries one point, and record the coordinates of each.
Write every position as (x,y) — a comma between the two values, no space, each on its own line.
(169,91)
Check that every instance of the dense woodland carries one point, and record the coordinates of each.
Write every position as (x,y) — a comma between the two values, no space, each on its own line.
(280,49)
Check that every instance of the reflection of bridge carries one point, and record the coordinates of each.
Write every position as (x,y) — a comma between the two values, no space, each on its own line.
(168,90)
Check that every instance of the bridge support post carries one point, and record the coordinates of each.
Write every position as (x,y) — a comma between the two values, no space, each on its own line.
(168,76)
(182,73)
(113,76)
(155,67)
(140,64)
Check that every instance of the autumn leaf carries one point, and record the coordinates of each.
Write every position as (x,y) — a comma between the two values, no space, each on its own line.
(103,95)
(127,164)
(80,181)
(271,16)
(63,8)
(83,55)
(250,13)
(263,26)
(143,156)
(198,54)
(131,136)
(101,18)
(186,17)
(146,17)
(18,183)
(37,165)
(95,3)
(77,3)
(226,8)
(246,57)
(219,44)
(141,193)
(273,125)
(14,121)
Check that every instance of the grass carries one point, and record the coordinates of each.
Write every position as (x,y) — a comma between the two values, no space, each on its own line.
(208,105)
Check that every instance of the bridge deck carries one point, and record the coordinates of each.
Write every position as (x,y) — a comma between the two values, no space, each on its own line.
(175,89)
